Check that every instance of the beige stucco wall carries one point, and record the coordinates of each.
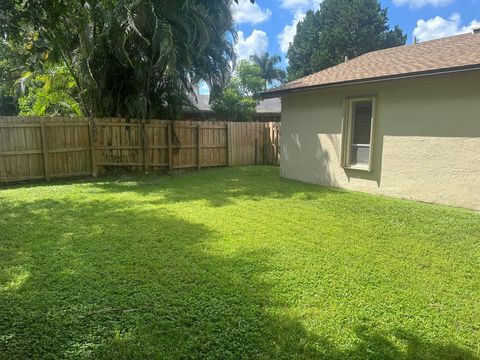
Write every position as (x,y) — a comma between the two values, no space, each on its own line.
(426,144)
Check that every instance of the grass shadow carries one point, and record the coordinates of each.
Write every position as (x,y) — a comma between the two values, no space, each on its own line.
(128,284)
(217,187)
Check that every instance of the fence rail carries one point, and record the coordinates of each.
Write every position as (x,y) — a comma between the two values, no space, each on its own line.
(44,148)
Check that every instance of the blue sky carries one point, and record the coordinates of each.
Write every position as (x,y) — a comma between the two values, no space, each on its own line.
(269,25)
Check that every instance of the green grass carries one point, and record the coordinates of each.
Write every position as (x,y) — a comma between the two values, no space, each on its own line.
(233,264)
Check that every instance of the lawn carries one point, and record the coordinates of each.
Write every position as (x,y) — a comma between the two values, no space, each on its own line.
(233,264)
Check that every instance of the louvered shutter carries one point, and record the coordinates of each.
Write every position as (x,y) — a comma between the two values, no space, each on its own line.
(362,122)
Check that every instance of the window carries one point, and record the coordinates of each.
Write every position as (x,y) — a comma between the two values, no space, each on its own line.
(358,133)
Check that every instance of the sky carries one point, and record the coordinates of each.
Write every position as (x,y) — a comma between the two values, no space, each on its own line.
(270,25)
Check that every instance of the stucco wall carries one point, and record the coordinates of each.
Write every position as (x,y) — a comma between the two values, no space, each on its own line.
(426,144)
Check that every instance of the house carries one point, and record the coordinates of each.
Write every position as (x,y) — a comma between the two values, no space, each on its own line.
(267,110)
(402,122)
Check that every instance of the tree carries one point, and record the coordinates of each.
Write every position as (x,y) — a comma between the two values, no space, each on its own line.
(51,92)
(248,76)
(12,58)
(128,57)
(268,65)
(240,98)
(340,28)
(304,52)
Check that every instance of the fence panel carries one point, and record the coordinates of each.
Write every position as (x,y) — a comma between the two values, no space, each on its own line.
(21,154)
(44,148)
(67,148)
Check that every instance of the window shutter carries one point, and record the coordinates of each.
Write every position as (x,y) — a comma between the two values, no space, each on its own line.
(362,122)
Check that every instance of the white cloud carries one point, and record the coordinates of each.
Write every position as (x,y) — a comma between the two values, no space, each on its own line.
(421,3)
(298,8)
(300,5)
(439,27)
(256,43)
(246,12)
(289,31)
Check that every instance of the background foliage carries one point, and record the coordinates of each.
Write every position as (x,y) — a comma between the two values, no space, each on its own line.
(12,57)
(340,28)
(240,98)
(51,92)
(269,67)
(127,57)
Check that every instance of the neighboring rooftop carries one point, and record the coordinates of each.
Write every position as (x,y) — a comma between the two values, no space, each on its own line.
(202,103)
(268,106)
(271,105)
(455,53)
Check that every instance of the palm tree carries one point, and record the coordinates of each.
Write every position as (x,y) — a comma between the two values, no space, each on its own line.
(270,71)
(147,55)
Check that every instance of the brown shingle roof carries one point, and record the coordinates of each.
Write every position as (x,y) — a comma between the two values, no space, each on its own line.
(430,57)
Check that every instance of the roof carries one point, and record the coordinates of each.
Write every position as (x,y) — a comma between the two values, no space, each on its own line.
(455,53)
(272,105)
(268,106)
(203,103)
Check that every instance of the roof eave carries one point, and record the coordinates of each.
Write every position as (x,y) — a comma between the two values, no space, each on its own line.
(279,93)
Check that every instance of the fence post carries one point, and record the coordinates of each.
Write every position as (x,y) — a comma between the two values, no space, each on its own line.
(4,169)
(93,156)
(279,127)
(275,149)
(277,145)
(169,141)
(199,146)
(228,145)
(274,142)
(44,150)
(145,147)
(265,143)
(3,160)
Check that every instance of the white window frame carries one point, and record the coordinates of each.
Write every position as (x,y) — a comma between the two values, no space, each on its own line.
(347,132)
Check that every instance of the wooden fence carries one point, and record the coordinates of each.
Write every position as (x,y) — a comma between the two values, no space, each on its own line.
(45,148)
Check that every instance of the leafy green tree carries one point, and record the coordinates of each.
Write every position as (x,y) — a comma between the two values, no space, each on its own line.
(232,105)
(128,57)
(12,58)
(51,92)
(340,28)
(240,98)
(249,79)
(269,66)
(304,53)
